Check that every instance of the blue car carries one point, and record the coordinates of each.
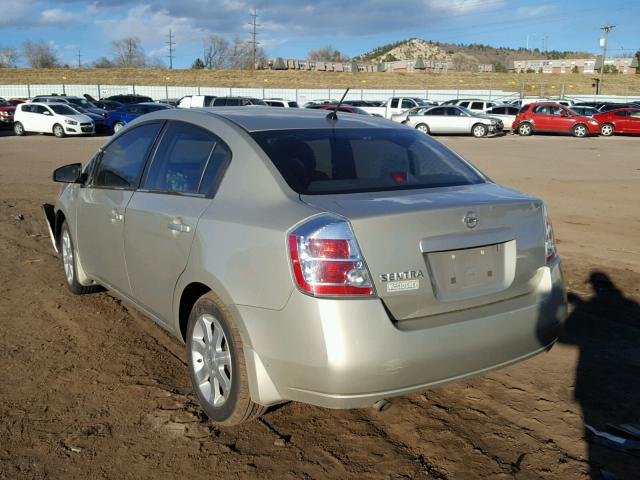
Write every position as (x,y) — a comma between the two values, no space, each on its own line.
(118,118)
(99,121)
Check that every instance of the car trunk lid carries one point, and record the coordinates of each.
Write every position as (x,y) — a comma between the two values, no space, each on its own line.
(444,249)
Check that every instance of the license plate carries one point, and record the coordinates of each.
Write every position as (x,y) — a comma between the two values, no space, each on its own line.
(459,274)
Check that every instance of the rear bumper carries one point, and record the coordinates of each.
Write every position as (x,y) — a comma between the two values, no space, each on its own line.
(349,353)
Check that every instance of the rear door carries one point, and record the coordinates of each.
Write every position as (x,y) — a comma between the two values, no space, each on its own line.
(436,119)
(633,121)
(102,204)
(542,119)
(163,214)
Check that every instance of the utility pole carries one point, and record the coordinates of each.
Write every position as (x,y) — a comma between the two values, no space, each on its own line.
(170,43)
(603,43)
(254,42)
(79,57)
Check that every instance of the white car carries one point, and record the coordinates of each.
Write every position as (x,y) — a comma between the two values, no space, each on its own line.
(196,101)
(57,118)
(506,113)
(454,120)
(476,106)
(281,102)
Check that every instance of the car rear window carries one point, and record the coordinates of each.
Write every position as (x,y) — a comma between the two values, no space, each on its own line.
(349,160)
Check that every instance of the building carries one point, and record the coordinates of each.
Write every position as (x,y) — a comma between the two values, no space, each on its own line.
(587,66)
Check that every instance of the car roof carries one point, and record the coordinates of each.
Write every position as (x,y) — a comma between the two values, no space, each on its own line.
(257,118)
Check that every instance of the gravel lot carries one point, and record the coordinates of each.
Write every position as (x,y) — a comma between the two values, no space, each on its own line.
(91,389)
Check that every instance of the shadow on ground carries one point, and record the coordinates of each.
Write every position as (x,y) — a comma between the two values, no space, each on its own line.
(606,329)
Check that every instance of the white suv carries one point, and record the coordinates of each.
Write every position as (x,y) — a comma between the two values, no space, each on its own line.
(281,102)
(476,106)
(57,118)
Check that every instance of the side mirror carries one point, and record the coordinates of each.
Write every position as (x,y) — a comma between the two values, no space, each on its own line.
(69,174)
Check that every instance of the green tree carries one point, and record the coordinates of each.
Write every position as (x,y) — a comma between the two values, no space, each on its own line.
(499,67)
(198,64)
(574,69)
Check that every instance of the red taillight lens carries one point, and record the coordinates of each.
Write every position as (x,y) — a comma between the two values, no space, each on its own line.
(328,248)
(326,260)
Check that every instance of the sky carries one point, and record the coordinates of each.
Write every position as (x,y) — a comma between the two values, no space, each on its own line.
(290,28)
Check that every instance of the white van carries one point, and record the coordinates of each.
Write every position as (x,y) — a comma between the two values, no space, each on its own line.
(57,118)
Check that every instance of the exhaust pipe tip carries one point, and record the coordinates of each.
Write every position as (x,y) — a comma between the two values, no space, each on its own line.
(382,405)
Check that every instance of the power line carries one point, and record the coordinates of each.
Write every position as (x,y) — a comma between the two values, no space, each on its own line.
(170,43)
(254,43)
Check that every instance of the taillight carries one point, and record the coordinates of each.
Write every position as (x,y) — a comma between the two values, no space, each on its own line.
(549,238)
(326,260)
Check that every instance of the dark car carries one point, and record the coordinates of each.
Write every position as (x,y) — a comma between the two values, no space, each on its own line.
(553,117)
(237,102)
(99,121)
(607,107)
(118,118)
(623,120)
(108,105)
(6,113)
(129,98)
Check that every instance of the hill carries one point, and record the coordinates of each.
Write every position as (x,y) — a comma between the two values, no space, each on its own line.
(499,56)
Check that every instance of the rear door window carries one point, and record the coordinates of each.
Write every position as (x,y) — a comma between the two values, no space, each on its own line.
(180,159)
(464,104)
(123,159)
(477,105)
(406,103)
(329,161)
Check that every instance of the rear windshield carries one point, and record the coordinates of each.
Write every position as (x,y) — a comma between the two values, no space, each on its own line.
(350,160)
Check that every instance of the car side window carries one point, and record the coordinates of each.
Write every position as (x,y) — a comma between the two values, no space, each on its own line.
(477,105)
(407,103)
(464,104)
(635,114)
(394,102)
(123,159)
(435,111)
(181,158)
(512,110)
(454,112)
(41,109)
(498,110)
(624,113)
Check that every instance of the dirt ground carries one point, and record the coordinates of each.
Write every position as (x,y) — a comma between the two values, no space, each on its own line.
(91,389)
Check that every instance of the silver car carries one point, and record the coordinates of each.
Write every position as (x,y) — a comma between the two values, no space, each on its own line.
(454,120)
(334,261)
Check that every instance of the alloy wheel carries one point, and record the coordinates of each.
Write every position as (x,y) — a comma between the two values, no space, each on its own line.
(607,130)
(211,360)
(67,256)
(580,131)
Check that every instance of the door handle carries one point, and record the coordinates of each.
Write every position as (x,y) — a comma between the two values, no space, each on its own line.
(116,216)
(179,227)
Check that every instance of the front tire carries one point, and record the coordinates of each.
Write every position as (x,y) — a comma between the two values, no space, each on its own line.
(215,356)
(607,130)
(69,262)
(479,130)
(580,130)
(525,129)
(58,131)
(18,129)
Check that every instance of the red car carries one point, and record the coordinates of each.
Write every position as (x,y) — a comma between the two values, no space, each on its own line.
(622,120)
(6,113)
(344,108)
(553,117)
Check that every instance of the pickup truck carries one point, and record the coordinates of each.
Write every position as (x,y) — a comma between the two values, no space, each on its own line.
(195,101)
(397,105)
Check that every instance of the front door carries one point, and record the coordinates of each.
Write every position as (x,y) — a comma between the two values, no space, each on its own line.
(163,214)
(102,205)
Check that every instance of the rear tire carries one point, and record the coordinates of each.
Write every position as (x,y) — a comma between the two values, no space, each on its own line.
(58,131)
(423,127)
(479,130)
(67,249)
(117,127)
(580,131)
(215,357)
(18,129)
(607,130)
(525,129)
